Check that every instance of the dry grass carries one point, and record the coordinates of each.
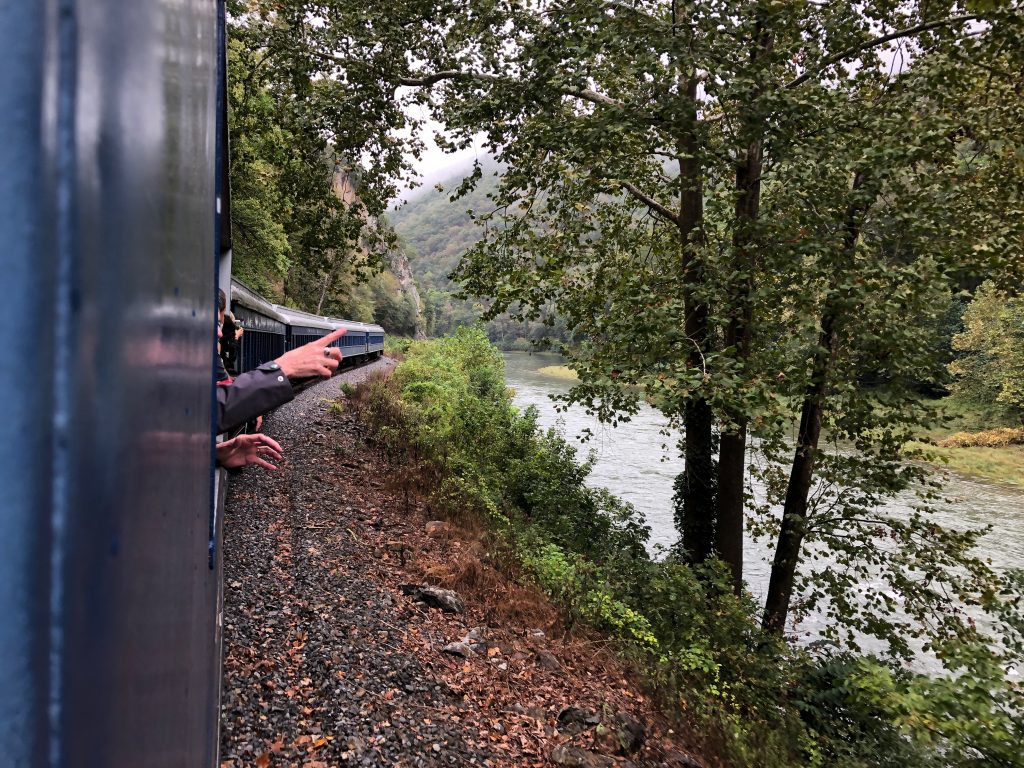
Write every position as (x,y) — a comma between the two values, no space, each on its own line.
(990,438)
(1001,465)
(465,569)
(558,372)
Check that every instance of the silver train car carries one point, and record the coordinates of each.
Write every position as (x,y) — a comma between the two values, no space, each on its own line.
(114,236)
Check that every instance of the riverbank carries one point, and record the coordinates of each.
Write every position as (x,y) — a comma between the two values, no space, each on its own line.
(999,463)
(750,698)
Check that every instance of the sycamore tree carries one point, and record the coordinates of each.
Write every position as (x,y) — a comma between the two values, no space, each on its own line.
(751,210)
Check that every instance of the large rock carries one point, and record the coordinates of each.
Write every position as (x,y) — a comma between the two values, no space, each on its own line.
(548,661)
(436,529)
(459,649)
(435,597)
(578,717)
(623,734)
(676,759)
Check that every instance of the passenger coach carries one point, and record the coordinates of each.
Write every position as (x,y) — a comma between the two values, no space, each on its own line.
(266,330)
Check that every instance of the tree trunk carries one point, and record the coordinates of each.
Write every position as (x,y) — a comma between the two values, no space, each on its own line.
(794,512)
(732,456)
(698,523)
(323,293)
(730,501)
(732,464)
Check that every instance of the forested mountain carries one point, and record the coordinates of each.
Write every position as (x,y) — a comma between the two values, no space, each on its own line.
(304,214)
(438,228)
(368,280)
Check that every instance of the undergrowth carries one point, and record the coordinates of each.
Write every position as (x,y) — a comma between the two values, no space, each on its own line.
(446,417)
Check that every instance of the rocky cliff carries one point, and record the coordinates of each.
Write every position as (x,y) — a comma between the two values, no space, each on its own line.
(399,265)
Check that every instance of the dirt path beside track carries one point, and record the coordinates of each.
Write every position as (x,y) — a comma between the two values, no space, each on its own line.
(328,662)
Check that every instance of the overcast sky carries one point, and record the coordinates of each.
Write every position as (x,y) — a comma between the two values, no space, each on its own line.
(435,165)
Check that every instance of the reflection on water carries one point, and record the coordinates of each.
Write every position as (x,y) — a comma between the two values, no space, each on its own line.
(638,462)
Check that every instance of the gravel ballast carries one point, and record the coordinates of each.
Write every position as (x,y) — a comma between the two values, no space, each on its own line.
(338,648)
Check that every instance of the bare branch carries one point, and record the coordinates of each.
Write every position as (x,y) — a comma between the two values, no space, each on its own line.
(586,94)
(877,41)
(662,210)
(427,80)
(620,6)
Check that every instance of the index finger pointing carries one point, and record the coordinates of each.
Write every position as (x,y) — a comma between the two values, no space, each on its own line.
(333,336)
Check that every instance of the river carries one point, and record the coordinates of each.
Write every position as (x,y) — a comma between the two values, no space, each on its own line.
(639,464)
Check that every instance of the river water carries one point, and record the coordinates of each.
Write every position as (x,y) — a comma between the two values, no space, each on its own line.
(638,463)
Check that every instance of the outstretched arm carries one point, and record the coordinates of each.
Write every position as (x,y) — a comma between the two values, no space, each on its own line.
(265,388)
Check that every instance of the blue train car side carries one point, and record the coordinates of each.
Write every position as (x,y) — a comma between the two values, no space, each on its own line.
(114,224)
(303,327)
(265,334)
(108,247)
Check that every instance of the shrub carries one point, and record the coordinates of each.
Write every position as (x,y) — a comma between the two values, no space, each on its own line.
(519,344)
(395,346)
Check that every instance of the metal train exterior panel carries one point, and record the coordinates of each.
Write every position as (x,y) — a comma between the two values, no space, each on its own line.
(303,327)
(360,342)
(266,331)
(114,224)
(108,247)
(375,342)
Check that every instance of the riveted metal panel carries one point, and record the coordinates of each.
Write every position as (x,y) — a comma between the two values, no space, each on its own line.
(107,242)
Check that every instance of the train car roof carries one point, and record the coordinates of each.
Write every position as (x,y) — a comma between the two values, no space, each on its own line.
(355,325)
(249,299)
(300,318)
(350,325)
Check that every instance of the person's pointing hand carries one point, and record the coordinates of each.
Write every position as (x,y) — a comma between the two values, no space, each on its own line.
(317,358)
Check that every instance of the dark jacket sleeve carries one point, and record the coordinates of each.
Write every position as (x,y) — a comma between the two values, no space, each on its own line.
(253,393)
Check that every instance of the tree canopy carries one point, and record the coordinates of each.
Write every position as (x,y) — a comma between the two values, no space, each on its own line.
(750,211)
(753,215)
(990,369)
(316,152)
